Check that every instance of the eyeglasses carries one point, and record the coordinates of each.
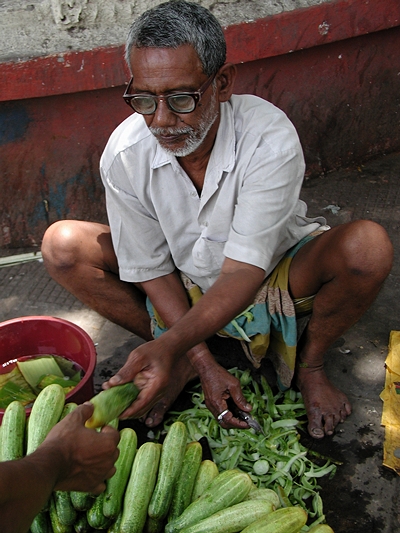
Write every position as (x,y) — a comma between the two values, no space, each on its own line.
(185,102)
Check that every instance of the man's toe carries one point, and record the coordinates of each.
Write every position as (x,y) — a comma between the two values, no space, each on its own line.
(317,433)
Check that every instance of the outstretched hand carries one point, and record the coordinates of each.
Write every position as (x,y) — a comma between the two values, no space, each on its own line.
(87,456)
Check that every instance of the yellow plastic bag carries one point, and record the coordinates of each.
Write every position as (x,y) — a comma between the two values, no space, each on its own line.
(391,405)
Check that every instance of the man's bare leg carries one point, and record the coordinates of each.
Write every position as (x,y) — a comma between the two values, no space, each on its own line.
(80,257)
(345,268)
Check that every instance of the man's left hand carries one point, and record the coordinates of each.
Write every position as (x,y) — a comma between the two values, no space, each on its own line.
(221,389)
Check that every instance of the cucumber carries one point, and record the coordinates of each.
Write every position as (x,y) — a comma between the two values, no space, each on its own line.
(68,408)
(207,472)
(81,524)
(233,518)
(56,525)
(228,488)
(116,485)
(183,488)
(13,432)
(82,501)
(172,454)
(320,528)
(95,516)
(284,520)
(264,494)
(65,510)
(66,513)
(41,523)
(45,414)
(140,488)
(110,403)
(114,423)
(114,528)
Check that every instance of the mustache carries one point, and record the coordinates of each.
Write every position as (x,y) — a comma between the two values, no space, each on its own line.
(171,131)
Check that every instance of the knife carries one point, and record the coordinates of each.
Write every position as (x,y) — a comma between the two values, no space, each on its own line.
(246,417)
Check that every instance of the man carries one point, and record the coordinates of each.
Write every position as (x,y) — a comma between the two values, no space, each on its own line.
(202,191)
(71,457)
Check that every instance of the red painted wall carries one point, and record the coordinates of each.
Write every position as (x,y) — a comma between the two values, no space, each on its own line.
(343,97)
(340,86)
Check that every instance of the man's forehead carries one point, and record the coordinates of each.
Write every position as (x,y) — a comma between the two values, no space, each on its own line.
(166,66)
(148,57)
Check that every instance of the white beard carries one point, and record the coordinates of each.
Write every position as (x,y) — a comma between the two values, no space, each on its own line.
(195,137)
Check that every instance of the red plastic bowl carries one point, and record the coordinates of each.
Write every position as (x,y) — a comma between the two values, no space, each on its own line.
(35,335)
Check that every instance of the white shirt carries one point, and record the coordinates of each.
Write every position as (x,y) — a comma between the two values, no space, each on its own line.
(249,209)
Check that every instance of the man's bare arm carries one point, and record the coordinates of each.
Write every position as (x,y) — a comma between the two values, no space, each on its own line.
(233,291)
(151,365)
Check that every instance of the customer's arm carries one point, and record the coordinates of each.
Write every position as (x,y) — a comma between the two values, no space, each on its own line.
(71,458)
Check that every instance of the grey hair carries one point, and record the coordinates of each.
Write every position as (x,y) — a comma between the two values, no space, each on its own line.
(175,23)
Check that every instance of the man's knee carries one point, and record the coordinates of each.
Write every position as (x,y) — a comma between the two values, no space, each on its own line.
(60,245)
(367,249)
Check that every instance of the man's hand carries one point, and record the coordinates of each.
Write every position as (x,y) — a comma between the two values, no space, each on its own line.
(221,390)
(149,366)
(87,457)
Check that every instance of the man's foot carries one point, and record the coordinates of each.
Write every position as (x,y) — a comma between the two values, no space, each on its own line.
(326,405)
(183,373)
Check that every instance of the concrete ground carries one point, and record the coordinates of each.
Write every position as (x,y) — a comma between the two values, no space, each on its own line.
(363,497)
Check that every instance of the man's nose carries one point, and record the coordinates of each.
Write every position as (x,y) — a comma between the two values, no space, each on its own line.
(163,116)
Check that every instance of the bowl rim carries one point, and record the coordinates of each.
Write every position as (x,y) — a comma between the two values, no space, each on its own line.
(44,318)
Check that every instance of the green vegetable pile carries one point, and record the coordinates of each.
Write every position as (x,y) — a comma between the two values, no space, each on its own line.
(275,460)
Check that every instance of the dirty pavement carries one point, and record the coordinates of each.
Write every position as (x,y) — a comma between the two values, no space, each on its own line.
(363,496)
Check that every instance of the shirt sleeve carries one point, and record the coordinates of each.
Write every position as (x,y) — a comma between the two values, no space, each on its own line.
(269,217)
(133,227)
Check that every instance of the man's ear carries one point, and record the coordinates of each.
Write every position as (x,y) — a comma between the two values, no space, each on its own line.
(226,79)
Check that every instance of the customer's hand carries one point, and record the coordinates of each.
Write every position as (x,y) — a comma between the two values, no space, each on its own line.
(87,456)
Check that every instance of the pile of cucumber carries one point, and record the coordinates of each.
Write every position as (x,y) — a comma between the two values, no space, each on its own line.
(156,488)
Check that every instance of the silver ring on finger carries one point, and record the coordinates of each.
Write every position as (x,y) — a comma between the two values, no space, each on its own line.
(221,415)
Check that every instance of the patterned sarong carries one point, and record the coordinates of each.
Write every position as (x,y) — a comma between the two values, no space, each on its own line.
(271,326)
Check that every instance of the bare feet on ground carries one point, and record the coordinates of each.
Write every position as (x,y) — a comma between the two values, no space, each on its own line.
(326,405)
(183,373)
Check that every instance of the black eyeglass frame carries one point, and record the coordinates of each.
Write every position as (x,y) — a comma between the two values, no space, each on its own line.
(196,95)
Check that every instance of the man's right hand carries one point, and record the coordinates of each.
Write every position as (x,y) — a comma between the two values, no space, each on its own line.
(149,366)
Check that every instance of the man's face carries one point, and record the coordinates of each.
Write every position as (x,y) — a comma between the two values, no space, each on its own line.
(162,71)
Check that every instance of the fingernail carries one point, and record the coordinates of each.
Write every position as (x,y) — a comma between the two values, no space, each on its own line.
(317,431)
(115,379)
